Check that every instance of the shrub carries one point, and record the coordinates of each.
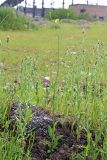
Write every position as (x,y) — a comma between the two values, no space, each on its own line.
(57,14)
(65,14)
(71,14)
(10,19)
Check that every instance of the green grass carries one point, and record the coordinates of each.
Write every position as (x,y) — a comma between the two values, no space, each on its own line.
(12,20)
(79,89)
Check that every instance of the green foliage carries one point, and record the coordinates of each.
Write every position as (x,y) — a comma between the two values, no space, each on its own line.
(66,14)
(52,144)
(84,16)
(71,14)
(11,19)
(57,13)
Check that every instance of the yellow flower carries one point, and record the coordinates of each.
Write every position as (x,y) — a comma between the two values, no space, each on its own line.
(0,42)
(57,20)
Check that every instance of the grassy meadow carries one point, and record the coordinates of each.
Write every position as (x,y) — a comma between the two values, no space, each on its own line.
(74,58)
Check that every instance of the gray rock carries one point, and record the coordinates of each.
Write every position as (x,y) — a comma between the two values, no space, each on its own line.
(39,120)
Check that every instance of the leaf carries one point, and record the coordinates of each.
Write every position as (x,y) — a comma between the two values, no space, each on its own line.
(50,131)
(59,137)
(48,143)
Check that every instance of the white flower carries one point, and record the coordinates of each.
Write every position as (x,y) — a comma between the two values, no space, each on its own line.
(46,81)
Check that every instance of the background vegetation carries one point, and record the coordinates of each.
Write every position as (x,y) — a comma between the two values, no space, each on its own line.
(66,14)
(10,19)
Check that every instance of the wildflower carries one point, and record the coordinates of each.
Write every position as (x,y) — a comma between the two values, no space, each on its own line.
(1,65)
(83,31)
(16,82)
(0,42)
(73,51)
(57,21)
(55,73)
(6,87)
(46,81)
(8,39)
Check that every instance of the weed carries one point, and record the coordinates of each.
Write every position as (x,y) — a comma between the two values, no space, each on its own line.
(53,143)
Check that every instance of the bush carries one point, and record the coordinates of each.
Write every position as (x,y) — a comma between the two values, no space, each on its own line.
(57,14)
(10,19)
(71,14)
(65,14)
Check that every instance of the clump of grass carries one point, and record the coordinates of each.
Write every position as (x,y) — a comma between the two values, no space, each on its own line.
(53,142)
(10,19)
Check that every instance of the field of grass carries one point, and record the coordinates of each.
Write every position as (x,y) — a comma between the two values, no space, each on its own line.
(75,60)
